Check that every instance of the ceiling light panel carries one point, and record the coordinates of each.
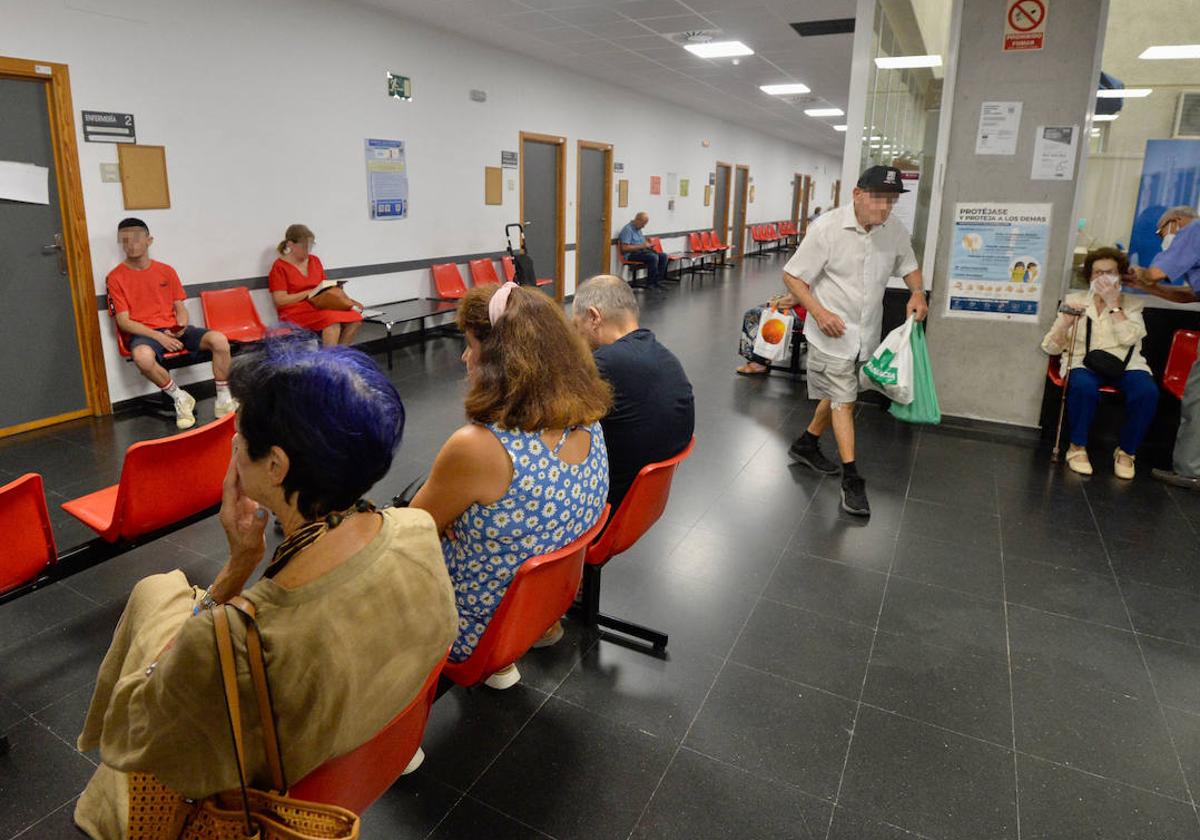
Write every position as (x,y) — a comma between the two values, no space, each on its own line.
(1169,51)
(719,49)
(1124,93)
(824,112)
(785,89)
(906,62)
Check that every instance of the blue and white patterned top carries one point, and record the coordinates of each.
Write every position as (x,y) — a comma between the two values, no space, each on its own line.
(549,504)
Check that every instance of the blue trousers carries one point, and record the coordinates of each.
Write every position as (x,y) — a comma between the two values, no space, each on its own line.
(656,264)
(1141,401)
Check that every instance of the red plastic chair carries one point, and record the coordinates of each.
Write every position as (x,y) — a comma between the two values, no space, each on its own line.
(123,346)
(448,282)
(358,778)
(231,312)
(483,272)
(28,538)
(641,508)
(656,243)
(1052,373)
(699,253)
(717,243)
(1179,361)
(162,482)
(540,594)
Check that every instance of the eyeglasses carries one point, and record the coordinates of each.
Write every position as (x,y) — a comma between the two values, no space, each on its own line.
(1110,274)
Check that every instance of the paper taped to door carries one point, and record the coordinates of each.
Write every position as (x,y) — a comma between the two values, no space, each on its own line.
(25,182)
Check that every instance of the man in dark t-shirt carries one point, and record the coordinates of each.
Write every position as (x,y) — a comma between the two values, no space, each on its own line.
(653,412)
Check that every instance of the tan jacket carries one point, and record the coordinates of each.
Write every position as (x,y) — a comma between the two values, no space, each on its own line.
(345,653)
(1107,333)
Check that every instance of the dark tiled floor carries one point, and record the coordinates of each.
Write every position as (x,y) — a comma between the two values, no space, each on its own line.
(1002,651)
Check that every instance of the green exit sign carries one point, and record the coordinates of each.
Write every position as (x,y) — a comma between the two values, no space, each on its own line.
(399,87)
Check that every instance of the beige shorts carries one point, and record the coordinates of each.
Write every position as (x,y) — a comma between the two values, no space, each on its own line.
(831,378)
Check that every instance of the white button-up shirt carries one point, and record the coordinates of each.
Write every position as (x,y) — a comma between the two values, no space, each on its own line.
(847,268)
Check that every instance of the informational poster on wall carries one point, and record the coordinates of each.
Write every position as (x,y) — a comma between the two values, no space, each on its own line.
(905,208)
(999,123)
(387,179)
(1054,152)
(655,185)
(998,261)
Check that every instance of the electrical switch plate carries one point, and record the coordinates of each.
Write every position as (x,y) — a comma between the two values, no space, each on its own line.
(110,173)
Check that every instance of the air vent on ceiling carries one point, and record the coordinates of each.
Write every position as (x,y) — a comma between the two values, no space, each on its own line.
(834,26)
(1187,117)
(695,36)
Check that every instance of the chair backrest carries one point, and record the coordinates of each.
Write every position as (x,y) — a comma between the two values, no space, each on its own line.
(358,778)
(1180,361)
(483,273)
(25,524)
(167,480)
(773,231)
(643,504)
(695,243)
(717,242)
(510,270)
(541,591)
(232,313)
(448,281)
(655,243)
(706,239)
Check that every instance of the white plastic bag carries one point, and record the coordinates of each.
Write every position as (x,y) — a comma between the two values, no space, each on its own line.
(890,368)
(774,329)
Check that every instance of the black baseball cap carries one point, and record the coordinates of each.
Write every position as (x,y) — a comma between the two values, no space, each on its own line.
(882,179)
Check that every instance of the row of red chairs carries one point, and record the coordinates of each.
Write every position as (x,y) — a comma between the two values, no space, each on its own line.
(448,280)
(702,247)
(1180,359)
(769,237)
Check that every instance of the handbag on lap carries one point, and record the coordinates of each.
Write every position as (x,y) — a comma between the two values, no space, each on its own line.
(1101,362)
(158,813)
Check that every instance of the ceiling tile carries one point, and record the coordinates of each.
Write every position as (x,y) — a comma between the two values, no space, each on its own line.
(678,23)
(587,15)
(637,9)
(617,31)
(529,21)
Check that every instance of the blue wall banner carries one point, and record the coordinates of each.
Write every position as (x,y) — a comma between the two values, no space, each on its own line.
(387,179)
(998,261)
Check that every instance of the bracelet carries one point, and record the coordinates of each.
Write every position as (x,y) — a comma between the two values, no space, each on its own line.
(207,602)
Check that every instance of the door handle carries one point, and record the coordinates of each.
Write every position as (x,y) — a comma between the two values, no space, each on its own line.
(57,248)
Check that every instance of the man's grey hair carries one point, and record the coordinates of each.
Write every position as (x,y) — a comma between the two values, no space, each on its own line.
(611,296)
(1182,211)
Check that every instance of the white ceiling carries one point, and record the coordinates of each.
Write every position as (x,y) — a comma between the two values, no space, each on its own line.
(627,42)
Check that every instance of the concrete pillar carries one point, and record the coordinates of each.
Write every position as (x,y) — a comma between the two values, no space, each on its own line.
(994,370)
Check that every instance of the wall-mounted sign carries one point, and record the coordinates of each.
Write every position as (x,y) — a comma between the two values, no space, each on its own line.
(399,87)
(999,123)
(508,160)
(387,179)
(618,166)
(1025,25)
(108,127)
(1054,152)
(655,185)
(684,184)
(998,260)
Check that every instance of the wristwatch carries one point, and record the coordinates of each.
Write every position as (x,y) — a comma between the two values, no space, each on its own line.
(1115,309)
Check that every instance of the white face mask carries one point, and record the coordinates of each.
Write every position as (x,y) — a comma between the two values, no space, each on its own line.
(1167,240)
(1105,283)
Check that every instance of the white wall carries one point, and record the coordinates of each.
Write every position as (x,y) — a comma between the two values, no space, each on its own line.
(263,107)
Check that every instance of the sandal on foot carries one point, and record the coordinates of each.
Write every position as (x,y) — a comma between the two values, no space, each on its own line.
(752,369)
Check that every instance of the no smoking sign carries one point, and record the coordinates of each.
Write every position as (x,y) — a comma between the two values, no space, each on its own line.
(1025,25)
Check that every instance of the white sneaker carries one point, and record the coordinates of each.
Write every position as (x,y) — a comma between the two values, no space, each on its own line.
(504,678)
(224,407)
(185,407)
(551,637)
(415,762)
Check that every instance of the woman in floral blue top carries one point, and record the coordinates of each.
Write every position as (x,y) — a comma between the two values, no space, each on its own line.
(529,473)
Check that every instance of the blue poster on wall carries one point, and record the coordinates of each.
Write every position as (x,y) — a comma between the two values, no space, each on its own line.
(387,179)
(1170,177)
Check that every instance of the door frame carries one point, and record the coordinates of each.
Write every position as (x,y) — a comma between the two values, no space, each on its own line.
(745,199)
(804,204)
(560,143)
(798,185)
(75,235)
(607,149)
(724,229)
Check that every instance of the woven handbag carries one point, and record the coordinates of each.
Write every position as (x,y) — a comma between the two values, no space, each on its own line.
(158,813)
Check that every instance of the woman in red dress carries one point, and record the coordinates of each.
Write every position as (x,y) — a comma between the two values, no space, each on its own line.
(293,276)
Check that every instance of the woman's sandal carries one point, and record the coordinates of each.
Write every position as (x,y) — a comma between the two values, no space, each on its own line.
(1078,462)
(752,369)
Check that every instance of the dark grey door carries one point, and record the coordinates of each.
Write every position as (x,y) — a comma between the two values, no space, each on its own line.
(721,203)
(740,180)
(539,191)
(41,371)
(593,226)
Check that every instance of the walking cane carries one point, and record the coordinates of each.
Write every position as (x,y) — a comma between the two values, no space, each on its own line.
(1062,402)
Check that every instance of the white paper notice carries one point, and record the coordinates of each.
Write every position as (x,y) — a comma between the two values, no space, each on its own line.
(24,182)
(999,125)
(1054,149)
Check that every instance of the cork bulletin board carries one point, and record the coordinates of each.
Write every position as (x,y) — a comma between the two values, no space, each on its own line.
(144,176)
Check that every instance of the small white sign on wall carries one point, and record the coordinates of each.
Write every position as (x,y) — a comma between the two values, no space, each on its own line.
(999,124)
(1054,148)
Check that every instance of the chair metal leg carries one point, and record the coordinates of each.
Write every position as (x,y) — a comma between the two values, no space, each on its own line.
(592,617)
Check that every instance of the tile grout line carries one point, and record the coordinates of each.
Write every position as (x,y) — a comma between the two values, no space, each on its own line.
(44,817)
(874,636)
(1162,715)
(1012,701)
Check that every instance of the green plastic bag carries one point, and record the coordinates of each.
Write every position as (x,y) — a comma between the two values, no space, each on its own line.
(924,407)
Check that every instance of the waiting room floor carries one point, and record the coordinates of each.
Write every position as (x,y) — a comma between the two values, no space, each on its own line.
(1003,651)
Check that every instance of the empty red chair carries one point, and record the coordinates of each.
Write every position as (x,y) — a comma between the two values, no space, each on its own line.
(510,272)
(483,272)
(358,778)
(1179,361)
(717,243)
(232,313)
(162,482)
(448,282)
(541,592)
(25,524)
(698,252)
(643,504)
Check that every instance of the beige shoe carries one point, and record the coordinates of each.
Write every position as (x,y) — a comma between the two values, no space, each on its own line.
(1077,460)
(1123,464)
(185,408)
(504,678)
(223,408)
(551,636)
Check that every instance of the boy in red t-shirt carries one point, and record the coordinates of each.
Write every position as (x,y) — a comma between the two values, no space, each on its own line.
(147,299)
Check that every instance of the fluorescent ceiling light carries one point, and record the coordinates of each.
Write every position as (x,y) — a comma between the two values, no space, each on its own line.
(784,90)
(1172,51)
(719,49)
(1124,93)
(839,128)
(904,62)
(1104,117)
(875,137)
(824,112)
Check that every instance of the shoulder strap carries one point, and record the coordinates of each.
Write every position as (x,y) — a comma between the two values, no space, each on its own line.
(1087,345)
(232,706)
(262,691)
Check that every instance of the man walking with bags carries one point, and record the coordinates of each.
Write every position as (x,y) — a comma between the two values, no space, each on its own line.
(839,274)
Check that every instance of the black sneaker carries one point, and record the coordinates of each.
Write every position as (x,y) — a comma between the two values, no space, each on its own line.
(810,456)
(854,496)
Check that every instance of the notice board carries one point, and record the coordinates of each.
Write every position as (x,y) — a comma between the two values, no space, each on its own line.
(144,177)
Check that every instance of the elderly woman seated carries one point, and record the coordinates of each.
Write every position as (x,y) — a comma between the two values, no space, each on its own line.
(756,365)
(355,608)
(1107,350)
(529,473)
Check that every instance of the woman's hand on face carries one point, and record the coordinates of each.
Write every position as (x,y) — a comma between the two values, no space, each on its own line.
(244,520)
